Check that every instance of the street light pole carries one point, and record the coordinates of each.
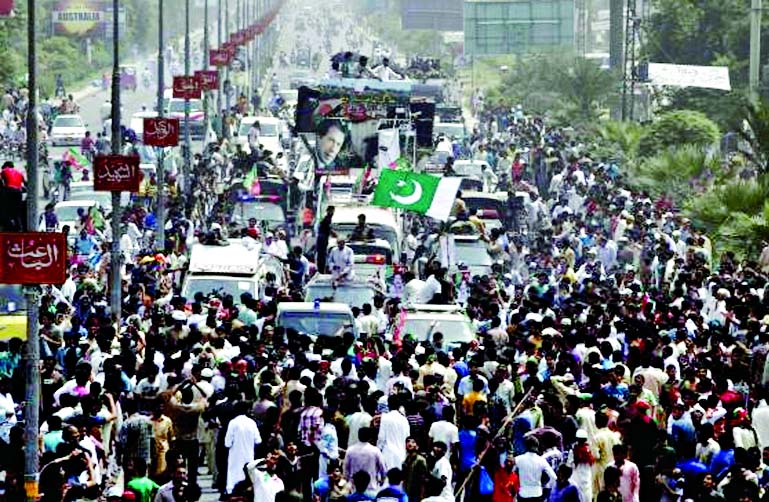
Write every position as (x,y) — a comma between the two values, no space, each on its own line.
(160,241)
(187,140)
(221,80)
(204,67)
(32,348)
(258,51)
(228,89)
(116,302)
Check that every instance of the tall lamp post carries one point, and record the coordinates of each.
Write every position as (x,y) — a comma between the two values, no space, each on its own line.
(160,241)
(116,302)
(228,87)
(204,67)
(221,80)
(187,140)
(32,349)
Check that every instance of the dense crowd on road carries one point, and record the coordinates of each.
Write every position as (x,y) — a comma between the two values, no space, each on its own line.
(614,357)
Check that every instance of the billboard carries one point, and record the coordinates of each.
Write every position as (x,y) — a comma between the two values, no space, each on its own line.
(517,26)
(347,120)
(440,15)
(85,18)
(78,17)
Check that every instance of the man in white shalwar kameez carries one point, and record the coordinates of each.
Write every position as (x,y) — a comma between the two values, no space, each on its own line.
(393,431)
(242,436)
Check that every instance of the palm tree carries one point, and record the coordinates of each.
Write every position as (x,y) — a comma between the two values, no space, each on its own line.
(578,87)
(679,174)
(621,139)
(735,214)
(756,134)
(586,88)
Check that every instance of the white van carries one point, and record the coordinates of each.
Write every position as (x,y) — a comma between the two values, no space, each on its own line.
(232,269)
(382,222)
(316,318)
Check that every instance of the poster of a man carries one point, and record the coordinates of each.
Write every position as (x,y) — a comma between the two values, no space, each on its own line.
(331,139)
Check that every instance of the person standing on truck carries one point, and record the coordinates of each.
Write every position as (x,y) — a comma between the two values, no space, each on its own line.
(321,242)
(341,262)
(362,232)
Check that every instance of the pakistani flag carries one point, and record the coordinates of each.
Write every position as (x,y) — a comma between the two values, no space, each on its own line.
(422,193)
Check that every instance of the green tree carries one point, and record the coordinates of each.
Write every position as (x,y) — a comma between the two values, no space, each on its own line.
(756,135)
(620,139)
(681,127)
(578,89)
(735,214)
(678,173)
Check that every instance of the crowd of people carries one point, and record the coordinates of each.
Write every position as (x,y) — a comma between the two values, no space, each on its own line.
(615,358)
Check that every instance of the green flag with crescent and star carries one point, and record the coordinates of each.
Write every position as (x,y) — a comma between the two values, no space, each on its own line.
(422,193)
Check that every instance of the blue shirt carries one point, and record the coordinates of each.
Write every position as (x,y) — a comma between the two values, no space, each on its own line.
(321,488)
(359,497)
(85,246)
(568,493)
(467,457)
(393,492)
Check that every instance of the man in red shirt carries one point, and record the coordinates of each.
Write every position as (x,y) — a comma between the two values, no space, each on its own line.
(12,184)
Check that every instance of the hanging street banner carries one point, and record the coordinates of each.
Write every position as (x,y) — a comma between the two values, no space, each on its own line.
(186,87)
(6,7)
(116,173)
(218,57)
(33,258)
(78,17)
(161,131)
(238,38)
(208,79)
(681,75)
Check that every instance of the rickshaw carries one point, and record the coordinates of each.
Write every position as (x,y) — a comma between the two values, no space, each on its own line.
(128,77)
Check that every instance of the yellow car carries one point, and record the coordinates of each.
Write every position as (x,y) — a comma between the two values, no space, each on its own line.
(13,312)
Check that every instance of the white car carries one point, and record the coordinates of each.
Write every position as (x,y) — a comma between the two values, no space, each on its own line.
(137,121)
(67,130)
(422,321)
(269,133)
(66,212)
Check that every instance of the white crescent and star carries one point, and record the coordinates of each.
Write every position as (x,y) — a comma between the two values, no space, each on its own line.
(410,199)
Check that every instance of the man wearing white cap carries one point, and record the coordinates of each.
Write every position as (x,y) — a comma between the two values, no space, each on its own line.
(272,247)
(341,260)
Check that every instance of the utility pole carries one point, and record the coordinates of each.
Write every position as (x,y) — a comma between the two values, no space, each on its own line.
(204,68)
(160,241)
(221,80)
(116,302)
(754,80)
(255,58)
(616,34)
(238,21)
(258,50)
(228,88)
(187,140)
(32,347)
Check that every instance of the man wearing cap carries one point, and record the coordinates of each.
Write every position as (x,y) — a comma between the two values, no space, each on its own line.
(272,247)
(13,182)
